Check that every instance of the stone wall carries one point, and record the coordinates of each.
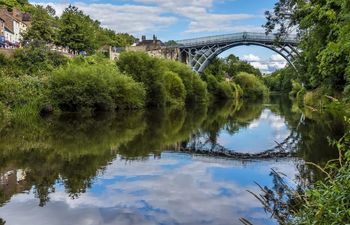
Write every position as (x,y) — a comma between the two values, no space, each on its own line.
(162,52)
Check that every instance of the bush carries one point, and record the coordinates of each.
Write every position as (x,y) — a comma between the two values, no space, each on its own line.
(17,92)
(196,88)
(37,57)
(212,83)
(199,91)
(252,86)
(222,89)
(96,87)
(225,90)
(143,68)
(175,89)
(347,93)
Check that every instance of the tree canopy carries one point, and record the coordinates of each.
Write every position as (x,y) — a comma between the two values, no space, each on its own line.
(324,29)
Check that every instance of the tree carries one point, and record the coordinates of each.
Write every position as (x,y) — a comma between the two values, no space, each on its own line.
(43,27)
(170,43)
(324,28)
(77,30)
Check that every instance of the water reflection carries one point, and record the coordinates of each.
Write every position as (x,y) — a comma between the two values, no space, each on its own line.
(114,168)
(175,189)
(265,131)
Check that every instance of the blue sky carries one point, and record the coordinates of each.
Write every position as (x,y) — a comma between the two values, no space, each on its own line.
(181,19)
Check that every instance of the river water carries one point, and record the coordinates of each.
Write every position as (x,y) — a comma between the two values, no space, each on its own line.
(128,168)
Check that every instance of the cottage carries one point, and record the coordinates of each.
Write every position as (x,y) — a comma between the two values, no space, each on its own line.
(14,24)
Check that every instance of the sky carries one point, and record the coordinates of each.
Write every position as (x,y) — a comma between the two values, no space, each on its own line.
(181,19)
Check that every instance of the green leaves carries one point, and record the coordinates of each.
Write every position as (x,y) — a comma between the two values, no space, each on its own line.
(324,27)
(43,26)
(77,31)
(82,86)
(252,86)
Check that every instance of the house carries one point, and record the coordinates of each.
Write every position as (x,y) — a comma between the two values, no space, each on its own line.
(150,44)
(15,23)
(2,27)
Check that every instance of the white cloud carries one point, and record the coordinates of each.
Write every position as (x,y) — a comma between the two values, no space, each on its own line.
(251,58)
(275,62)
(143,16)
(134,19)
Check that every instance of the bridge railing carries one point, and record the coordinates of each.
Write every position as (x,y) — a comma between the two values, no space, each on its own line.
(243,36)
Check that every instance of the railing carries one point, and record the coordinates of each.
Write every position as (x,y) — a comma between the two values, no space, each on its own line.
(244,36)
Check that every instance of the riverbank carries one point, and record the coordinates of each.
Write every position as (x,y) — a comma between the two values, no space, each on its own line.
(36,80)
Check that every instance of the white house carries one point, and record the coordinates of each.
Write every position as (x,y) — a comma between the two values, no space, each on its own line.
(16,23)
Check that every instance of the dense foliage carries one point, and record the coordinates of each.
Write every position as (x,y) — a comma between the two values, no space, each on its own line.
(196,89)
(324,28)
(20,4)
(252,86)
(95,86)
(45,80)
(281,80)
(220,77)
(161,77)
(230,67)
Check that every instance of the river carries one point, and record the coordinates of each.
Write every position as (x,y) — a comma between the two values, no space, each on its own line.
(130,167)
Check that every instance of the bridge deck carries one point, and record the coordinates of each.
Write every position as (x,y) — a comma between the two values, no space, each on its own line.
(236,37)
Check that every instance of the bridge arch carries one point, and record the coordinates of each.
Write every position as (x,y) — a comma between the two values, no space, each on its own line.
(199,52)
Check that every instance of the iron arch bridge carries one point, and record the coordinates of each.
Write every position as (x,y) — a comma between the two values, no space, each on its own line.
(199,52)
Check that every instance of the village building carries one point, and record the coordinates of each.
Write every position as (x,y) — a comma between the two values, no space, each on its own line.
(150,44)
(15,23)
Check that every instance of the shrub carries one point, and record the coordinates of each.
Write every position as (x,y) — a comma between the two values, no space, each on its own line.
(96,87)
(212,83)
(3,60)
(143,68)
(225,90)
(347,93)
(252,86)
(199,91)
(196,88)
(36,57)
(175,89)
(17,92)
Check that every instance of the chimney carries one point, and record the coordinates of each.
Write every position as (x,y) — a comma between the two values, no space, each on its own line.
(154,39)
(17,14)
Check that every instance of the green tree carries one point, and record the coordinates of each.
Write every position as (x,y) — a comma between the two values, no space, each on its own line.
(147,70)
(43,27)
(77,30)
(252,86)
(324,28)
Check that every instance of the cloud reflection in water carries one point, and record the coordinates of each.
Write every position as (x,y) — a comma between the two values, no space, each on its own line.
(175,189)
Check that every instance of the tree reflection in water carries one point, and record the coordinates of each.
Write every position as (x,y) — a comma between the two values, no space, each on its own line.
(71,150)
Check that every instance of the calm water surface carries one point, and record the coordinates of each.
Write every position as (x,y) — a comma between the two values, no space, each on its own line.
(127,168)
